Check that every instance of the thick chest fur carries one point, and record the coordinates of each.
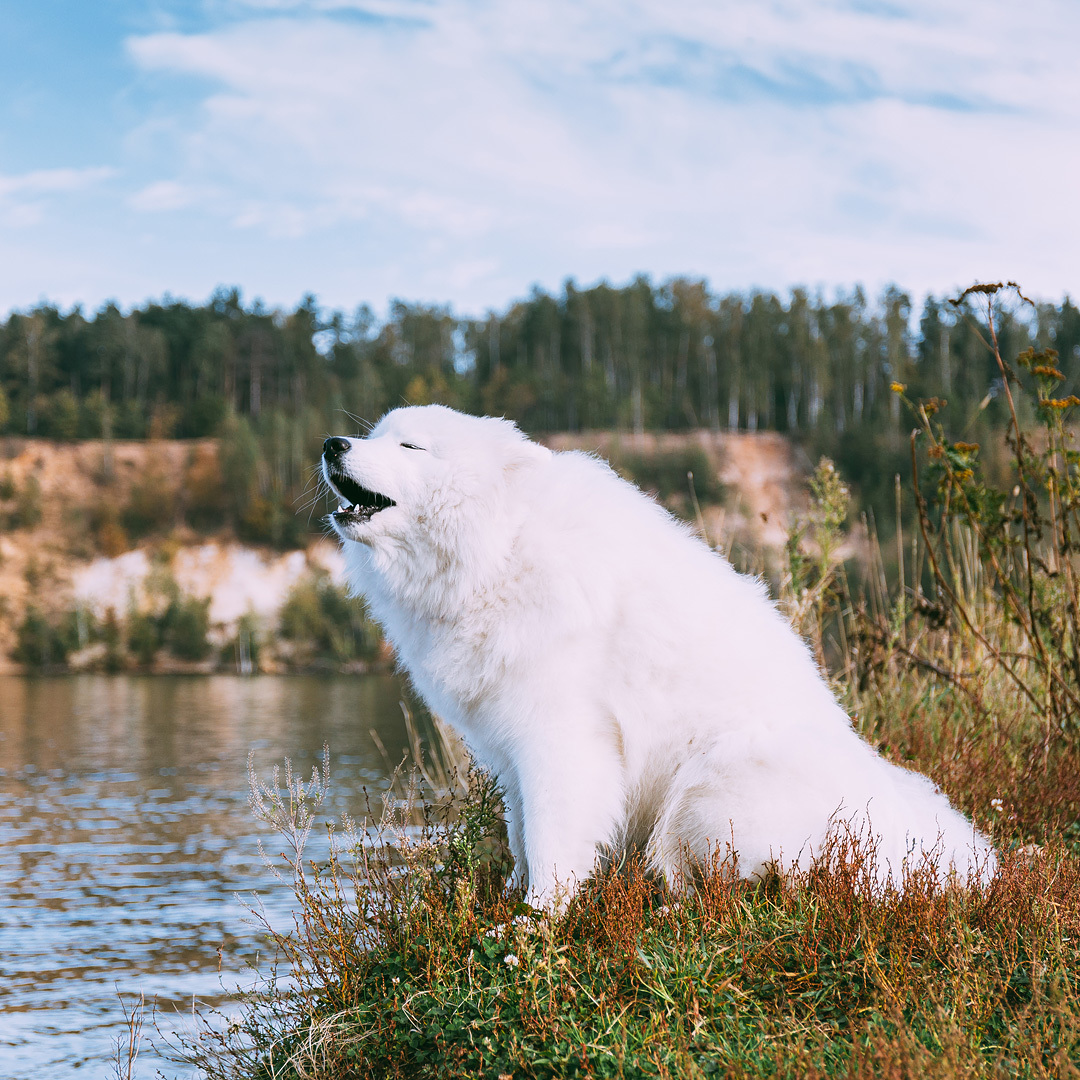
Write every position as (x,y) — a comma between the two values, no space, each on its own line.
(456,664)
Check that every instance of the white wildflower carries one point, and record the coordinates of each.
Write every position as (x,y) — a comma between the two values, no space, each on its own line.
(997,804)
(511,960)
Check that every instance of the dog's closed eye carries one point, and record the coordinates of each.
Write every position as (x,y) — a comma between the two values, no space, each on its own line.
(410,446)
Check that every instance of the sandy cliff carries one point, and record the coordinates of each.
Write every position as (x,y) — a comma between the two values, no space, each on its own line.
(56,554)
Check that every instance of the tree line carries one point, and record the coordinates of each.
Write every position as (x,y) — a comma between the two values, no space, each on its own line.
(641,357)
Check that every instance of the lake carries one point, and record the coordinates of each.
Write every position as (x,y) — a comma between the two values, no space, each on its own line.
(125,835)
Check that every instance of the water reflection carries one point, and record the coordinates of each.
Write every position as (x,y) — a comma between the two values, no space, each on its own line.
(125,833)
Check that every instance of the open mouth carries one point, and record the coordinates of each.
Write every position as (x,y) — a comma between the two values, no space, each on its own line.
(360,503)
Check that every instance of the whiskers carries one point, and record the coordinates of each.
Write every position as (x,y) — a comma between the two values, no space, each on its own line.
(365,426)
(315,490)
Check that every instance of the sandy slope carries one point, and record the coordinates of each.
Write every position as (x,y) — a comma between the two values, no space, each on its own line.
(764,473)
(56,563)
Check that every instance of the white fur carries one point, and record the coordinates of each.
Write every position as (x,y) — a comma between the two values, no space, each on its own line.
(625,685)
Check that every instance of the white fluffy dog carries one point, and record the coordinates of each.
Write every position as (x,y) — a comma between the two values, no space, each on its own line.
(628,689)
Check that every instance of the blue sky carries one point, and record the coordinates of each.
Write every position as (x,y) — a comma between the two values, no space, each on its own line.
(462,150)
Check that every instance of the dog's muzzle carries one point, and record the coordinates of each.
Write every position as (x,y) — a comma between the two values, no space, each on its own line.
(360,503)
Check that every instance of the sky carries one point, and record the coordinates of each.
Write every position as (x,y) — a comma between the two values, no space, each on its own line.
(465,151)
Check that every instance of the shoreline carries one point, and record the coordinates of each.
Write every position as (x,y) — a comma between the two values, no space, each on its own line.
(13,669)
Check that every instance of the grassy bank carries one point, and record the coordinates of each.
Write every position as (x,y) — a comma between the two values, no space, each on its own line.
(810,979)
(410,960)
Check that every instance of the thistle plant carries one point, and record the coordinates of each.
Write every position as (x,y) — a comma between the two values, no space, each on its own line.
(290,810)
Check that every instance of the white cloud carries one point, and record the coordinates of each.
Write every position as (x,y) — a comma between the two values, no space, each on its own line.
(461,149)
(26,197)
(761,143)
(51,181)
(163,195)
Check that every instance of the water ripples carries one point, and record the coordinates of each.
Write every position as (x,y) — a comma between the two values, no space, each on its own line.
(125,834)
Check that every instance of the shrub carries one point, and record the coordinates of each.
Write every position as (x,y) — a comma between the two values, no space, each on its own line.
(271,520)
(27,511)
(676,477)
(37,643)
(811,589)
(185,626)
(204,489)
(110,635)
(129,419)
(151,505)
(42,642)
(1000,558)
(321,617)
(143,636)
(239,460)
(58,415)
(93,416)
(203,415)
(163,420)
(110,536)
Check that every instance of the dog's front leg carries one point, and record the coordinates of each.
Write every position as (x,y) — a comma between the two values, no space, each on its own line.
(571,804)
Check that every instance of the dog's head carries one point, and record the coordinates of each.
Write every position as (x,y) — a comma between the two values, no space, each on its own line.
(425,472)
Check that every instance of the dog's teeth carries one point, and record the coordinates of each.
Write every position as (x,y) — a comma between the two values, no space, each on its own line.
(342,509)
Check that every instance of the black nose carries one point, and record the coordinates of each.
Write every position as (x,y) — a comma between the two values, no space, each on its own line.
(335,446)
